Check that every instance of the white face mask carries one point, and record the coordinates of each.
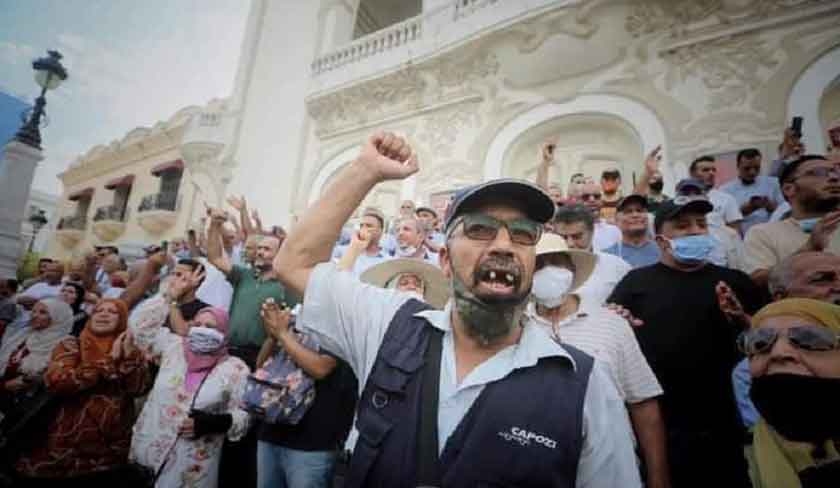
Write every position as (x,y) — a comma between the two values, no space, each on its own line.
(204,340)
(415,294)
(551,284)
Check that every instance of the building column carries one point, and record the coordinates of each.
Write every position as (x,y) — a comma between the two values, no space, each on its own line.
(17,168)
(338,20)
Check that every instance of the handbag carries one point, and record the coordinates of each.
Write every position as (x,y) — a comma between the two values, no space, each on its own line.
(280,392)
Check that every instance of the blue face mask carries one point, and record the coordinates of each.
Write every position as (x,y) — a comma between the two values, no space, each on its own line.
(807,225)
(692,249)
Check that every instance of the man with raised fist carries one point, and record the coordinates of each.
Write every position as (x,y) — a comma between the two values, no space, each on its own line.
(474,393)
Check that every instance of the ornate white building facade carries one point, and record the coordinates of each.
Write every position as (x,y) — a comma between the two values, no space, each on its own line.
(478,85)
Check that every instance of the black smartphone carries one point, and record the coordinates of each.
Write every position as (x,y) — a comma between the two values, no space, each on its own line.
(796,126)
(164,246)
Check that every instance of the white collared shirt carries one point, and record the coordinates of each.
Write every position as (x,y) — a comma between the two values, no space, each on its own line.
(351,318)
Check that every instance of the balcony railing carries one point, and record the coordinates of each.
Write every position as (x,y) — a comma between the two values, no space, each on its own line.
(110,212)
(386,39)
(159,201)
(76,222)
(420,37)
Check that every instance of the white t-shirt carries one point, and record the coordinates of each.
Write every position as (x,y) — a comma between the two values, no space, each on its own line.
(606,235)
(42,290)
(609,270)
(608,338)
(726,209)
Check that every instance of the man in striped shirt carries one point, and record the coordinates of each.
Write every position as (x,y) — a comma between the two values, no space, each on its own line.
(604,335)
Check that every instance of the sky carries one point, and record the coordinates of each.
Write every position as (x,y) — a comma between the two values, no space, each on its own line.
(130,64)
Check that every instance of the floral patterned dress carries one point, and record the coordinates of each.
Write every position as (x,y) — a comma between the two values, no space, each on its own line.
(186,462)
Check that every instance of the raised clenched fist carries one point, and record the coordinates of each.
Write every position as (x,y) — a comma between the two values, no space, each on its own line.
(388,156)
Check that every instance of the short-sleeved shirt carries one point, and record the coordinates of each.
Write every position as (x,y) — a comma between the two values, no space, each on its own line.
(609,270)
(768,244)
(608,338)
(726,209)
(364,261)
(763,186)
(605,235)
(351,319)
(636,256)
(249,293)
(687,341)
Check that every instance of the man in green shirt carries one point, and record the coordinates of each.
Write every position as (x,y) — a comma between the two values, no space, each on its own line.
(251,287)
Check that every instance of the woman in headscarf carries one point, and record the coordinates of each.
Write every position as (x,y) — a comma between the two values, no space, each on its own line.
(25,352)
(94,379)
(194,404)
(73,294)
(795,365)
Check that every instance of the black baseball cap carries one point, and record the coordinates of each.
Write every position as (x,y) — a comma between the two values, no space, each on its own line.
(532,200)
(671,209)
(634,198)
(690,183)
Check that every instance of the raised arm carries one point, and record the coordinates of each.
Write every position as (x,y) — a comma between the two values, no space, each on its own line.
(384,156)
(215,252)
(241,206)
(651,167)
(546,160)
(138,287)
(358,243)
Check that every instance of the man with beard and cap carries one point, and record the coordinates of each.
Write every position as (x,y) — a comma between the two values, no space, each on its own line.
(594,329)
(690,345)
(811,185)
(422,370)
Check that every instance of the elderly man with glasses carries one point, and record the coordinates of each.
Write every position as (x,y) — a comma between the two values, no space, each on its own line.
(421,370)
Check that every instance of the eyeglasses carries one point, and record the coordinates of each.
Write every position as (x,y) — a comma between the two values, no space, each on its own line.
(590,196)
(821,172)
(482,227)
(805,337)
(683,199)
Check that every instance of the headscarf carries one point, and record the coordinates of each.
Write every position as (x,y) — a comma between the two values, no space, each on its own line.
(199,365)
(95,347)
(80,296)
(780,460)
(40,343)
(816,311)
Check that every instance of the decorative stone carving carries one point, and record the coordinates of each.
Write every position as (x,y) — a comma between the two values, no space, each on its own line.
(729,68)
(442,128)
(108,230)
(677,17)
(405,90)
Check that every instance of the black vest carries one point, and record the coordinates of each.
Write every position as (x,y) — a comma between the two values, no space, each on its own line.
(524,430)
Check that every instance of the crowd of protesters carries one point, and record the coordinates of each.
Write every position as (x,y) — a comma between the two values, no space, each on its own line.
(669,337)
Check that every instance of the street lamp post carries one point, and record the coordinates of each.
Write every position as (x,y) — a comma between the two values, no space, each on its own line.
(49,73)
(38,220)
(18,161)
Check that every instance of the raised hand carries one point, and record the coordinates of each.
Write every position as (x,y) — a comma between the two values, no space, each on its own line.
(360,239)
(547,151)
(236,202)
(825,228)
(275,319)
(652,160)
(217,216)
(730,306)
(388,156)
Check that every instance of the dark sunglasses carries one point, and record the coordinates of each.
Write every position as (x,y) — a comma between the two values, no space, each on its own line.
(482,227)
(805,337)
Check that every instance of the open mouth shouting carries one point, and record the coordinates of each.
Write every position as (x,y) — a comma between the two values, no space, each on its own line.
(497,277)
